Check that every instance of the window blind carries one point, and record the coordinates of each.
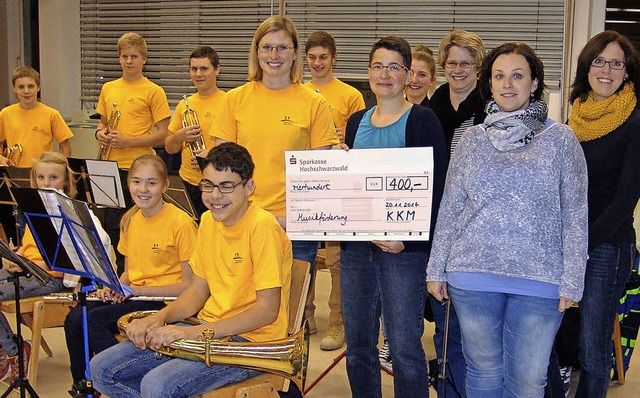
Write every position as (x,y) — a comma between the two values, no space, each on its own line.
(173,28)
(357,24)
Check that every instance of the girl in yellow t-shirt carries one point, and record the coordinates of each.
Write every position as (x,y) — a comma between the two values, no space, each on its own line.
(50,170)
(156,239)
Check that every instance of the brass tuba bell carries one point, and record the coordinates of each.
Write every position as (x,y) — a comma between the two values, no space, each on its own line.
(13,154)
(287,357)
(190,118)
(112,124)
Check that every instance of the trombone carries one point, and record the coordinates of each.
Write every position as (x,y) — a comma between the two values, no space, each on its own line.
(112,124)
(13,154)
(190,118)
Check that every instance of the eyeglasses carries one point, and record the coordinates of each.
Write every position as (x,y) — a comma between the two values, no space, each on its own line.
(391,68)
(463,65)
(600,63)
(280,49)
(225,187)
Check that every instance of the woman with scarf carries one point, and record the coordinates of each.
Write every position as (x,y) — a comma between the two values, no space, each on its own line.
(510,244)
(606,120)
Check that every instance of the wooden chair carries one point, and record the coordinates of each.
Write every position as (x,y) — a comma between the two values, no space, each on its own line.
(267,385)
(37,315)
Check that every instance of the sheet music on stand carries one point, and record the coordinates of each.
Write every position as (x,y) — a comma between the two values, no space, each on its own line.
(100,181)
(24,263)
(67,237)
(178,196)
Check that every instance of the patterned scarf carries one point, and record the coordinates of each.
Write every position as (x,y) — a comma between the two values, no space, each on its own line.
(594,119)
(510,130)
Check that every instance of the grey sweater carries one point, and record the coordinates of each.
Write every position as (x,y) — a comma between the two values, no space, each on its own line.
(520,214)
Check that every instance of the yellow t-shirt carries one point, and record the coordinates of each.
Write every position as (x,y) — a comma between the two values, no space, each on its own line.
(30,251)
(34,129)
(206,108)
(254,254)
(269,122)
(142,104)
(344,100)
(155,246)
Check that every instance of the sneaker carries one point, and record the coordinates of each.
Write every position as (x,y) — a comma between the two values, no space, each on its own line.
(313,329)
(13,362)
(385,357)
(334,338)
(565,375)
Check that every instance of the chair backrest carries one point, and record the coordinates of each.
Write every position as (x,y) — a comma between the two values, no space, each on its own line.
(300,279)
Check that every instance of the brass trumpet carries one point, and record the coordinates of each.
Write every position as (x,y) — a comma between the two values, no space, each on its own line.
(286,357)
(112,124)
(13,154)
(190,118)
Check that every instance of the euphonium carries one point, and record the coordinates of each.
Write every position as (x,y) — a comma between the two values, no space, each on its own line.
(13,154)
(190,118)
(286,357)
(112,124)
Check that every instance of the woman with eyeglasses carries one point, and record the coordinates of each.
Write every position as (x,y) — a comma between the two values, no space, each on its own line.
(606,120)
(274,112)
(458,106)
(388,276)
(510,245)
(457,103)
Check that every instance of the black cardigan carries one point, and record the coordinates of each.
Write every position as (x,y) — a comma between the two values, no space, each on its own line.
(423,130)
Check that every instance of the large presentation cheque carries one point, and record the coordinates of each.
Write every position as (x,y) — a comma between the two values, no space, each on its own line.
(361,194)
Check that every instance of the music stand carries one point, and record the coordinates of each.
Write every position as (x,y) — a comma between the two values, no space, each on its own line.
(100,182)
(13,177)
(28,269)
(177,194)
(77,248)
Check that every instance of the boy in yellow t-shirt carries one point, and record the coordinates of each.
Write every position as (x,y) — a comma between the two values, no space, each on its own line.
(141,103)
(242,275)
(204,67)
(30,123)
(344,100)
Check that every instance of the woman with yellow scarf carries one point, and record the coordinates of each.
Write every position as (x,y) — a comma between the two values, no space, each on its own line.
(606,120)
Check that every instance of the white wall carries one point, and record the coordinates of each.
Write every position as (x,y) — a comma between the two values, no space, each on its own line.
(60,54)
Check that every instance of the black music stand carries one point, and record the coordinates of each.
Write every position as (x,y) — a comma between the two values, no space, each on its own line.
(10,178)
(76,248)
(178,196)
(28,269)
(100,182)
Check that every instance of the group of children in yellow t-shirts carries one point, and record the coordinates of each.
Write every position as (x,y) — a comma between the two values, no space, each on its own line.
(234,270)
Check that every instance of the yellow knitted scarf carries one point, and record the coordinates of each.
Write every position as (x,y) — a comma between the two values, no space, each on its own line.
(593,119)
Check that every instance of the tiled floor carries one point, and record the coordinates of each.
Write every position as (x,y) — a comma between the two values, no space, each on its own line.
(54,378)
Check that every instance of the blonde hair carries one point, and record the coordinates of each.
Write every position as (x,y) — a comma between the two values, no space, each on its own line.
(275,24)
(25,71)
(132,39)
(425,54)
(467,40)
(60,160)
(160,167)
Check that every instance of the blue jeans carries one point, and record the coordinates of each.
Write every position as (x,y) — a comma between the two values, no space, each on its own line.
(305,251)
(124,371)
(506,340)
(371,282)
(454,385)
(102,326)
(608,270)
